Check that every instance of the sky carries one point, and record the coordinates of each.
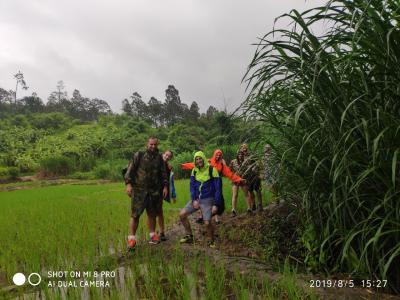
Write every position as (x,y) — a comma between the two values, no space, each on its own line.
(111,49)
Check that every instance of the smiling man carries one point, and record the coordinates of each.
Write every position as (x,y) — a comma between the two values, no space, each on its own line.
(147,184)
(205,191)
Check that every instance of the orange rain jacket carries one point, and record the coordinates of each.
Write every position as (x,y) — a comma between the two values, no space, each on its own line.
(220,165)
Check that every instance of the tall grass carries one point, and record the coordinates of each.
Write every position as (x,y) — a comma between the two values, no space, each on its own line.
(333,100)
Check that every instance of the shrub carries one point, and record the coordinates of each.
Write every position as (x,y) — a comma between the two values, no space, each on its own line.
(110,170)
(56,166)
(334,100)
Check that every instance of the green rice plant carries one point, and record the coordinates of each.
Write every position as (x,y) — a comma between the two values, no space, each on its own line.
(332,100)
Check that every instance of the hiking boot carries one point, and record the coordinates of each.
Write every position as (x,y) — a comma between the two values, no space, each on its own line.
(217,222)
(131,245)
(259,208)
(253,208)
(187,239)
(249,212)
(163,238)
(234,213)
(212,244)
(199,221)
(154,240)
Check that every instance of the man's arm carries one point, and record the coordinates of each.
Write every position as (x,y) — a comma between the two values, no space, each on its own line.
(129,176)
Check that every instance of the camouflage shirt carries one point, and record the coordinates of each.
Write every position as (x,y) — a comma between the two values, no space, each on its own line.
(147,171)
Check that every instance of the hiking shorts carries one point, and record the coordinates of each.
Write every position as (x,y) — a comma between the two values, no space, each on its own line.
(205,206)
(141,200)
(255,185)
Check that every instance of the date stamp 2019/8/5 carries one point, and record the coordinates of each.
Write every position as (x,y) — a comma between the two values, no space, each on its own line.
(348,283)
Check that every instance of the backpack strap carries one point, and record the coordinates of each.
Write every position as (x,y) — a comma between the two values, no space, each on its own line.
(210,171)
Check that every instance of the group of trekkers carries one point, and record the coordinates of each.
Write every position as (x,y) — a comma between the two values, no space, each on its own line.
(149,180)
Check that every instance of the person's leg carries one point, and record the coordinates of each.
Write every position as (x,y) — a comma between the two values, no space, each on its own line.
(235,190)
(133,225)
(154,209)
(206,208)
(137,208)
(183,215)
(248,196)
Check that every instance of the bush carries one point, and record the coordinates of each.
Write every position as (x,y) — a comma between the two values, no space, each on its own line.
(9,172)
(56,166)
(110,170)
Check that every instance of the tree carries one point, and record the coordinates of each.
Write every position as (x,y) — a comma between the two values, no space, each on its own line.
(155,111)
(58,100)
(174,110)
(139,108)
(126,107)
(194,111)
(32,104)
(19,77)
(211,111)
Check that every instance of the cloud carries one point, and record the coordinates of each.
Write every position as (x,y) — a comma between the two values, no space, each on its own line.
(109,49)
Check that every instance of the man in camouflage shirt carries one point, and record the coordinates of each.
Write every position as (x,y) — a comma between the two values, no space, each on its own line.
(147,184)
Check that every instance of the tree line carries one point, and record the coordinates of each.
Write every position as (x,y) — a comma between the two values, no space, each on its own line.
(157,113)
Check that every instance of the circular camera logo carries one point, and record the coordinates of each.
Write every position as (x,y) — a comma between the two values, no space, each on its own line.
(33,279)
(19,279)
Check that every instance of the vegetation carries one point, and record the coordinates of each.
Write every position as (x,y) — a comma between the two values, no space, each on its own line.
(80,227)
(333,100)
(68,136)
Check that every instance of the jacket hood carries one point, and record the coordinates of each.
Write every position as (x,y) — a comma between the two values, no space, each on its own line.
(202,155)
(213,159)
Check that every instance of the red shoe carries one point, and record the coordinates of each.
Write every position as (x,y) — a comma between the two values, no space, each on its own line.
(131,245)
(154,239)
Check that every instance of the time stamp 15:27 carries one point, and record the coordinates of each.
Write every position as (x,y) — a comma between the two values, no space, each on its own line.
(348,283)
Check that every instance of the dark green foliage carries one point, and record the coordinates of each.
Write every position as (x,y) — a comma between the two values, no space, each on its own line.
(333,101)
(56,166)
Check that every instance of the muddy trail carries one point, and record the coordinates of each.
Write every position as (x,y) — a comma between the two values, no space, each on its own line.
(236,256)
(30,182)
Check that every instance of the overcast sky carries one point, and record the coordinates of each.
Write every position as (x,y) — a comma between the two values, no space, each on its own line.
(110,49)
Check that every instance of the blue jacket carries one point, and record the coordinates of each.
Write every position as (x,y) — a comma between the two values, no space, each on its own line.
(203,186)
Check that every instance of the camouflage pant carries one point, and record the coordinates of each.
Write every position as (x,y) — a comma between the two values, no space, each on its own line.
(141,200)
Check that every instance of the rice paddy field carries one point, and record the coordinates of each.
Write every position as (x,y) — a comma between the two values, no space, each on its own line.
(74,236)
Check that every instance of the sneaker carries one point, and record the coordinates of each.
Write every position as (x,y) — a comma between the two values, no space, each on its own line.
(212,244)
(163,238)
(234,213)
(199,221)
(131,245)
(154,240)
(188,239)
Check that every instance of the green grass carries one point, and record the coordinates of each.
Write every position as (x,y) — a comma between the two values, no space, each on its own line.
(74,227)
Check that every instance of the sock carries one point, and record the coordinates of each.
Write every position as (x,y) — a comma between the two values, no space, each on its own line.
(152,234)
(131,237)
